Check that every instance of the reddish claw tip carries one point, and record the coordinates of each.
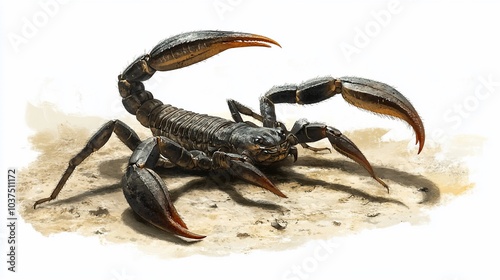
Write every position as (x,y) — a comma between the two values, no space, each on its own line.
(268,185)
(382,183)
(180,231)
(250,173)
(346,147)
(420,140)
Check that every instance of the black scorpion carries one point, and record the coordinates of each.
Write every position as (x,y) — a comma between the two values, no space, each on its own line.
(195,141)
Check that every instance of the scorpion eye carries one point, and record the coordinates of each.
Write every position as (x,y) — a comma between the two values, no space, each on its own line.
(258,140)
(281,132)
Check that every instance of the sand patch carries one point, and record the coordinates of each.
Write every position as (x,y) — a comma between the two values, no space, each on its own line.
(328,195)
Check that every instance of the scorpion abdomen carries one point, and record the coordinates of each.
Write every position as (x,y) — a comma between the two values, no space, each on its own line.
(192,130)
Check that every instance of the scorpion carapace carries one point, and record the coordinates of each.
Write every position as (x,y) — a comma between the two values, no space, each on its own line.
(195,141)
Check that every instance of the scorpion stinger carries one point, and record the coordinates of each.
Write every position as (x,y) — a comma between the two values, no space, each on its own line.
(200,142)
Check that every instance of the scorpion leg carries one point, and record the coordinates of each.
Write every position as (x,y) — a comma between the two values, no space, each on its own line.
(311,132)
(366,94)
(124,133)
(237,109)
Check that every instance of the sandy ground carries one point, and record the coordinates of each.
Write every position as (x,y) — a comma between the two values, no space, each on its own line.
(328,195)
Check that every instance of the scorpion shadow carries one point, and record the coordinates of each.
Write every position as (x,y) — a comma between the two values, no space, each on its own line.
(283,173)
(429,190)
(111,169)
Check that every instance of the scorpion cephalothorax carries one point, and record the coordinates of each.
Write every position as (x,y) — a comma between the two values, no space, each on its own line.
(195,141)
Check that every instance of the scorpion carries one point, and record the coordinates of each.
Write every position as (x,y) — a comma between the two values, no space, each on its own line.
(202,142)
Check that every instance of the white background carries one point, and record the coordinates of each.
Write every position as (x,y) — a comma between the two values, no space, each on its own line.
(438,53)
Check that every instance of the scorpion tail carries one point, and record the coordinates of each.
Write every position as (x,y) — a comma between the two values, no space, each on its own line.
(148,196)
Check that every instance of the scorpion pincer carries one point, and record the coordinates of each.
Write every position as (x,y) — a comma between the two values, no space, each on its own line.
(202,142)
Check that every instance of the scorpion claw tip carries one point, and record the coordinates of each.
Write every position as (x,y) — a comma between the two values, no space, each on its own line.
(181,231)
(382,183)
(420,143)
(268,185)
(265,39)
(265,183)
(250,173)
